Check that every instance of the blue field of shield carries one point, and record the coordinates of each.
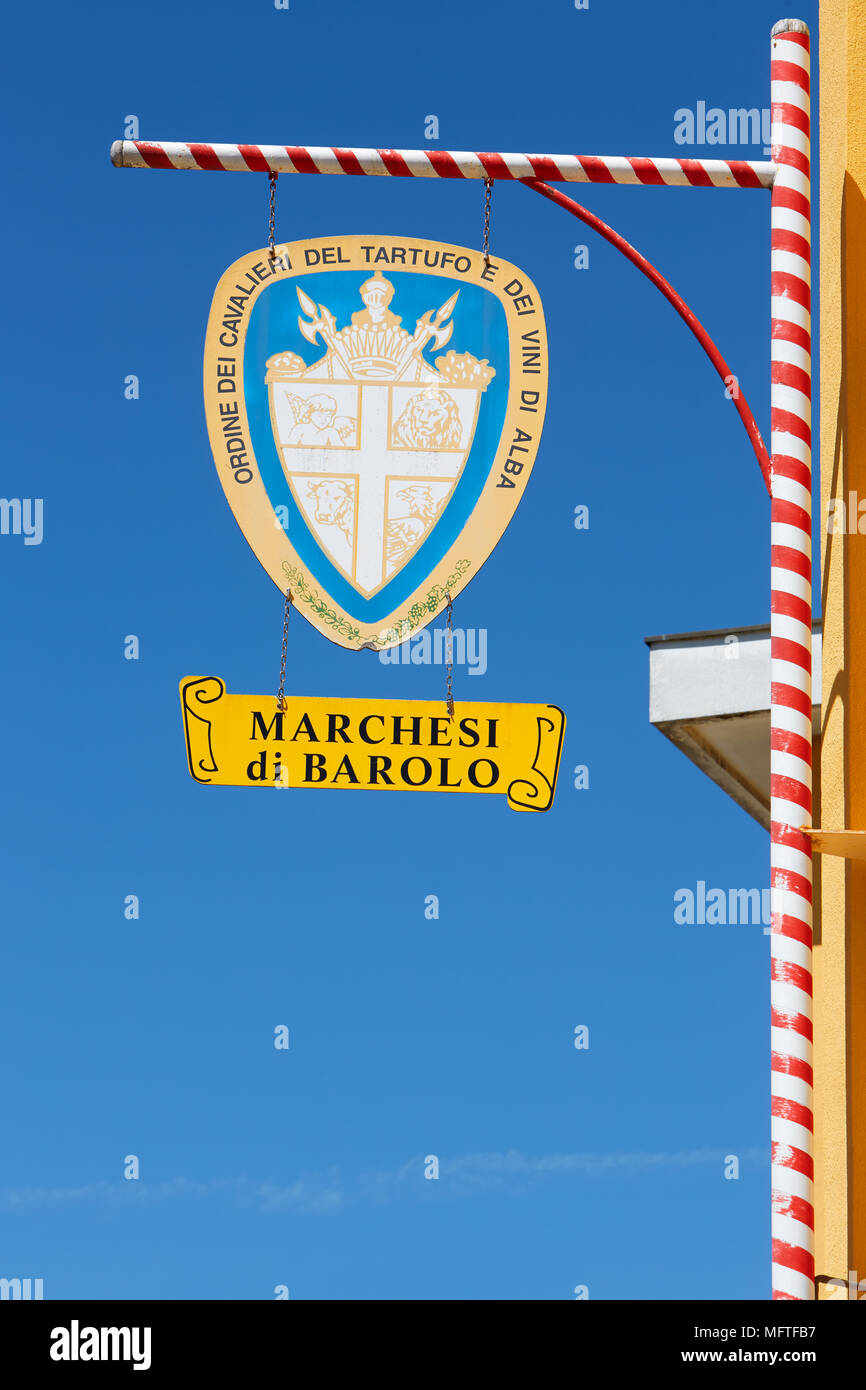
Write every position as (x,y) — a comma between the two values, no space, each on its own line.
(479,328)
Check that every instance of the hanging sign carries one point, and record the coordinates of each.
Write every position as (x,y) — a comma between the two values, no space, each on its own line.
(400,745)
(374,406)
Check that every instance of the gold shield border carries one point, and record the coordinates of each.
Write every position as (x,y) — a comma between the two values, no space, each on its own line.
(245,280)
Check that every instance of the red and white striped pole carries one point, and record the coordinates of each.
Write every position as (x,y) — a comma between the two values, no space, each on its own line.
(656,172)
(793,1224)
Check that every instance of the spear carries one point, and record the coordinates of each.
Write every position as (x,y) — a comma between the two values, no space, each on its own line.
(323,326)
(439,331)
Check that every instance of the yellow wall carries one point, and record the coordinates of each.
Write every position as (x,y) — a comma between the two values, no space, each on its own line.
(840,951)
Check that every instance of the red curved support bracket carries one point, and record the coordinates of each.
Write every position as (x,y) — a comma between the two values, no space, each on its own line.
(682,308)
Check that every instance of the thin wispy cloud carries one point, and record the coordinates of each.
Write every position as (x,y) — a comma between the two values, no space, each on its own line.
(514,1170)
(303,1194)
(509,1171)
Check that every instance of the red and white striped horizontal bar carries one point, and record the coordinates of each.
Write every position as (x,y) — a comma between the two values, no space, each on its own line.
(443,164)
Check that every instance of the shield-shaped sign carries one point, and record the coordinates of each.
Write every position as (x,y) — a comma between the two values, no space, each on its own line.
(374,406)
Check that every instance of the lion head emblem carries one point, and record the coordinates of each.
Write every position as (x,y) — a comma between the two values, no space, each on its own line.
(430,420)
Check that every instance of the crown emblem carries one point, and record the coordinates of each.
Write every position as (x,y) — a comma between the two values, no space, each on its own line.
(374,346)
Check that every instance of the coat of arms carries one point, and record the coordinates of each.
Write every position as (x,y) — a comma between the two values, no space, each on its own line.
(374,406)
(373,438)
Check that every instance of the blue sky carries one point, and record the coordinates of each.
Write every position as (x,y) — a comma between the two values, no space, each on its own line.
(409,1037)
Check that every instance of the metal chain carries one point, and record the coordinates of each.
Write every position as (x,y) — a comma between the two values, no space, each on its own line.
(282,703)
(449,660)
(272,213)
(488,196)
